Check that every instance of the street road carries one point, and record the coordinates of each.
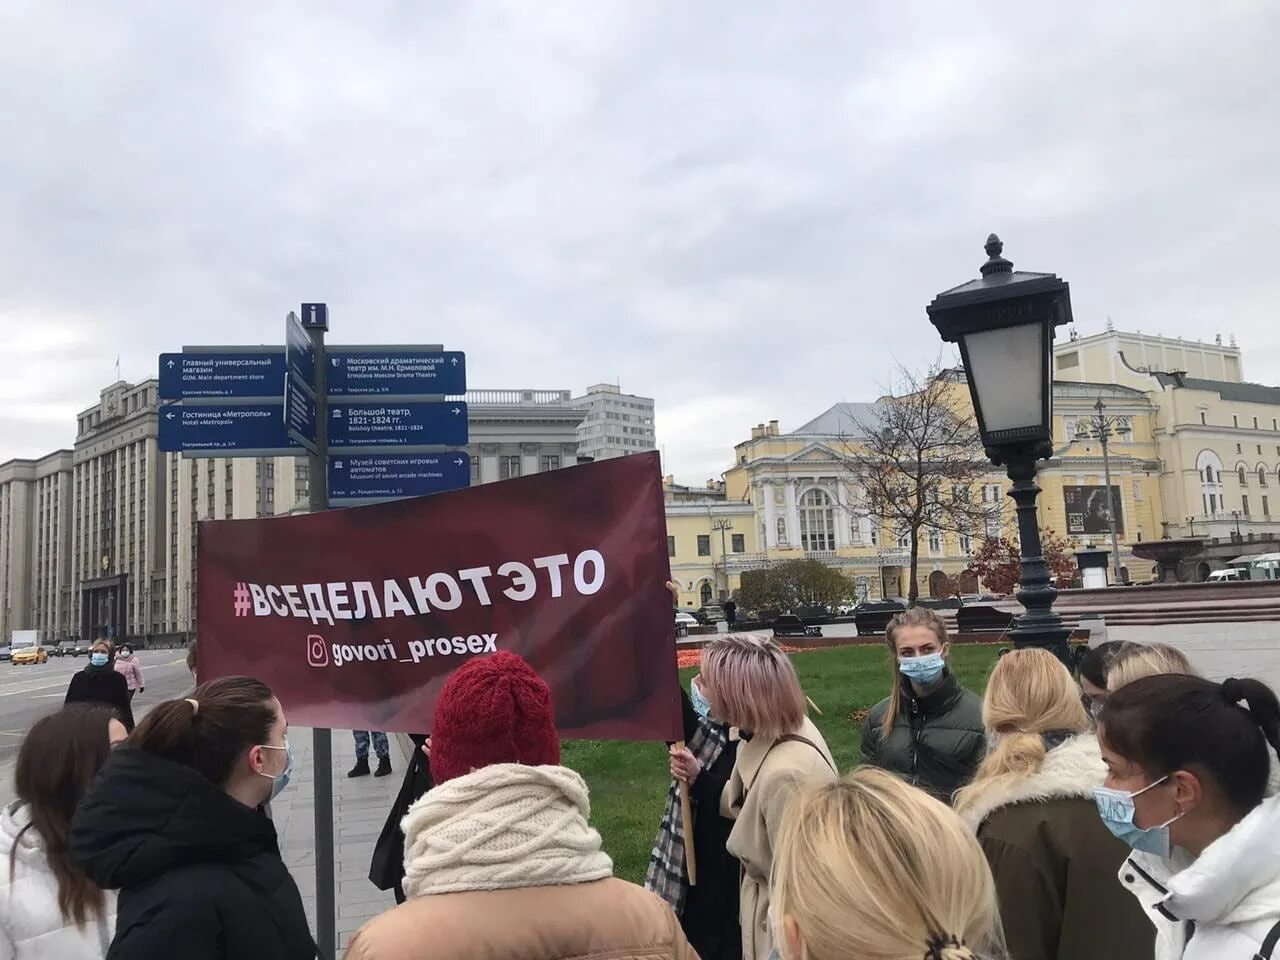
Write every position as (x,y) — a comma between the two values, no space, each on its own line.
(28,693)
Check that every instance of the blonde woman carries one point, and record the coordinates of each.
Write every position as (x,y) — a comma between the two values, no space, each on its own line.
(929,729)
(752,685)
(874,869)
(1032,806)
(1138,660)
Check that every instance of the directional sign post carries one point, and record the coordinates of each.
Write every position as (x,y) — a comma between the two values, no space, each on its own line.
(212,375)
(299,354)
(396,371)
(394,476)
(300,415)
(403,424)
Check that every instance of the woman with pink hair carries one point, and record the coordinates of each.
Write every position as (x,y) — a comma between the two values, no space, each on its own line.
(752,686)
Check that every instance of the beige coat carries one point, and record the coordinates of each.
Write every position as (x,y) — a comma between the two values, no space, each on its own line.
(756,797)
(604,919)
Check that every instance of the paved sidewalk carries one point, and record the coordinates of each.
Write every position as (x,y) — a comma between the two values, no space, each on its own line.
(360,808)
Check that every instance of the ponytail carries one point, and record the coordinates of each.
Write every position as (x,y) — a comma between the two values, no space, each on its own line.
(1227,732)
(212,728)
(1262,704)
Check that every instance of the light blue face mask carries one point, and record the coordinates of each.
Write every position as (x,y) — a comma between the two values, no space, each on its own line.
(1117,810)
(700,703)
(281,779)
(99,659)
(922,670)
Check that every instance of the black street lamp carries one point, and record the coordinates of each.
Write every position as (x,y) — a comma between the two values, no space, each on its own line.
(1004,324)
(1239,535)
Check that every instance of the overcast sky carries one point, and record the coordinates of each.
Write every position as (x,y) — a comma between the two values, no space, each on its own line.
(738,208)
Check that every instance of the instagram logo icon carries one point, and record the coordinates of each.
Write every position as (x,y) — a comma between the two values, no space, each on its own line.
(317,651)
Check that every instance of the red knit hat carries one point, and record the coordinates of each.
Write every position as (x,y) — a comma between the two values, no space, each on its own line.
(494,709)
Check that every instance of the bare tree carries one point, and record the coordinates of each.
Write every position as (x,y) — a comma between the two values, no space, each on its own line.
(918,458)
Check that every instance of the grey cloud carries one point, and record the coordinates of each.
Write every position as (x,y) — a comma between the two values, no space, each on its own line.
(740,209)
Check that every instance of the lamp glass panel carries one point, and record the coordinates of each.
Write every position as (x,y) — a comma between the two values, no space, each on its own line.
(1006,368)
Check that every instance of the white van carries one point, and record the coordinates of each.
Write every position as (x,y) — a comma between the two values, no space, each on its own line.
(1221,576)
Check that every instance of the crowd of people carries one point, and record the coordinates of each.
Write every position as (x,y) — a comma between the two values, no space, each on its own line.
(1128,812)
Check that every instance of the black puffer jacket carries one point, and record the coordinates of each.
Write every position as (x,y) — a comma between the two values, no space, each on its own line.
(199,874)
(937,740)
(102,685)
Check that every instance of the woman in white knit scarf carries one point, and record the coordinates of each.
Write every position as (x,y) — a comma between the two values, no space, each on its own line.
(500,860)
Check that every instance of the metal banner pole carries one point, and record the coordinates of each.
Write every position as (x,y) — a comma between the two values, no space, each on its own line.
(322,739)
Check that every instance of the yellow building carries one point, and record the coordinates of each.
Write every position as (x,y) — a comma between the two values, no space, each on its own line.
(807,501)
(1217,436)
(710,543)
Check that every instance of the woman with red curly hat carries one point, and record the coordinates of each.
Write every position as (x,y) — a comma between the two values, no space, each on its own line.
(500,861)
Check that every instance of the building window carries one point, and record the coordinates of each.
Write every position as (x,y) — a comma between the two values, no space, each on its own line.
(671,546)
(817,522)
(508,468)
(739,542)
(1262,476)
(935,541)
(1235,421)
(704,544)
(1255,423)
(1244,504)
(966,544)
(904,540)
(1244,481)
(550,463)
(1202,418)
(1266,507)
(1239,449)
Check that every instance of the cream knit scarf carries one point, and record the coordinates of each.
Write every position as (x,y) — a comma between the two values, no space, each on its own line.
(502,827)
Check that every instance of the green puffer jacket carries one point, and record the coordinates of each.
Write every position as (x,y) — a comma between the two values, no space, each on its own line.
(937,740)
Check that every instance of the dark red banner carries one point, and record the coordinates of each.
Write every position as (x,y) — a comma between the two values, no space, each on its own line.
(356,617)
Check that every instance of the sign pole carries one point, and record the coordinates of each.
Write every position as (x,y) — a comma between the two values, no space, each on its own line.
(322,739)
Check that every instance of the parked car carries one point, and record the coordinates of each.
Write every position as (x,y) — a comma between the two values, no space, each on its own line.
(789,625)
(711,613)
(940,603)
(82,648)
(685,619)
(30,655)
(873,616)
(5,654)
(67,648)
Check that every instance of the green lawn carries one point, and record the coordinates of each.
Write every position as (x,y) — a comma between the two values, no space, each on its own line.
(629,780)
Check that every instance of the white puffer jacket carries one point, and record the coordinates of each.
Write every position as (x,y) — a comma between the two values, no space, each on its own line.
(1224,904)
(31,925)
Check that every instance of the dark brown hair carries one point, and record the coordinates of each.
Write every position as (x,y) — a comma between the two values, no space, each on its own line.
(58,760)
(1095,663)
(1171,722)
(211,730)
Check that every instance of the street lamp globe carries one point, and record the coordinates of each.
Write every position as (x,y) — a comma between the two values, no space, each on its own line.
(1003,323)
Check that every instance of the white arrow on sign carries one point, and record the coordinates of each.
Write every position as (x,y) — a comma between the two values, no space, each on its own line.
(170,364)
(168,416)
(456,411)
(458,462)
(454,361)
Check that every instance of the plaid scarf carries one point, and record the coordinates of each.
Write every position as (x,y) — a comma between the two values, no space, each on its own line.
(666,876)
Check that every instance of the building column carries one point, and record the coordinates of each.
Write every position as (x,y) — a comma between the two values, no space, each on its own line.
(529,462)
(770,517)
(793,515)
(843,516)
(488,463)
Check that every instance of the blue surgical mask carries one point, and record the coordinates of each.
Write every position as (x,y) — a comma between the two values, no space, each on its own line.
(281,779)
(923,670)
(1116,809)
(700,703)
(98,659)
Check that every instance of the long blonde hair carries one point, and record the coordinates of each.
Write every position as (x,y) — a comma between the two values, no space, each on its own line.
(1029,694)
(869,867)
(915,617)
(1138,660)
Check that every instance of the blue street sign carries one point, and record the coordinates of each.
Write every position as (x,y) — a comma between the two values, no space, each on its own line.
(315,315)
(250,429)
(396,371)
(188,376)
(403,424)
(299,354)
(299,413)
(391,476)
